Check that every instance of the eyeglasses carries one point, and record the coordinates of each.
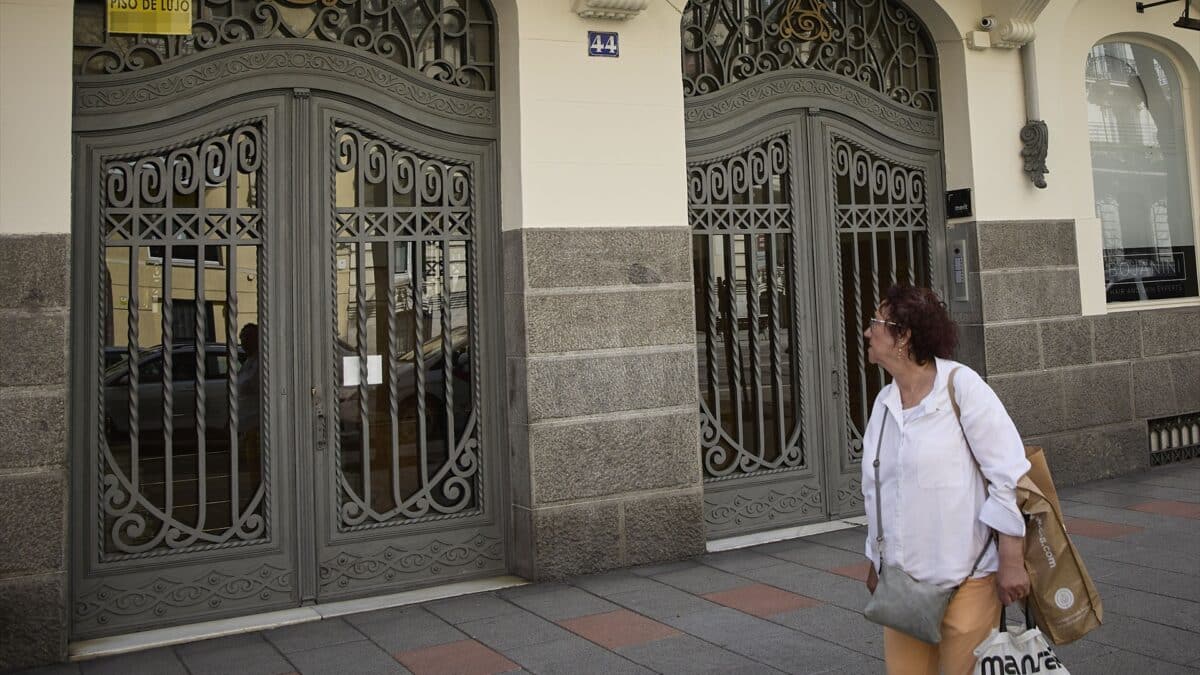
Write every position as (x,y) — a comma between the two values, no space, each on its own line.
(883,322)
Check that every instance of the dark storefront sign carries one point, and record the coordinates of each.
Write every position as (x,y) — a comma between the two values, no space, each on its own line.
(1150,273)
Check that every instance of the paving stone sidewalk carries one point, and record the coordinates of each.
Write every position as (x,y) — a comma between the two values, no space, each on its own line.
(790,607)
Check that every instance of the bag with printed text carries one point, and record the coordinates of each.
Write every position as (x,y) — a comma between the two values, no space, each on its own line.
(1061,593)
(1007,653)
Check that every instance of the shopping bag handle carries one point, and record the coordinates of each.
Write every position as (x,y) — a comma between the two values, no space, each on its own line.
(1028,618)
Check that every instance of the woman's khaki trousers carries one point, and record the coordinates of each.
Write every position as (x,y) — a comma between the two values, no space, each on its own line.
(973,612)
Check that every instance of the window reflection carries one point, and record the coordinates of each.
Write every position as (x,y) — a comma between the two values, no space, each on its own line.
(1139,172)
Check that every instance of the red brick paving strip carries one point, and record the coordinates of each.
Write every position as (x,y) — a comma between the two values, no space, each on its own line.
(761,600)
(618,629)
(856,571)
(1169,508)
(1098,529)
(465,657)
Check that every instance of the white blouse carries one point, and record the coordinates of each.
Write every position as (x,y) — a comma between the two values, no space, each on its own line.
(936,510)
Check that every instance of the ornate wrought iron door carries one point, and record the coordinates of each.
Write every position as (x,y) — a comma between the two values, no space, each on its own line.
(282,340)
(813,167)
(406,493)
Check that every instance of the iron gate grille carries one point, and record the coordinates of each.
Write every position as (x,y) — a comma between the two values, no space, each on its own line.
(745,266)
(403,277)
(450,41)
(181,465)
(878,43)
(882,219)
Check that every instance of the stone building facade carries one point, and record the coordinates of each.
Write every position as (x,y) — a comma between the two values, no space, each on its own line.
(298,320)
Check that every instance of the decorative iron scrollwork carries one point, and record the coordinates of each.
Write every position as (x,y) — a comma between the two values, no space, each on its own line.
(742,216)
(183,464)
(160,596)
(879,43)
(393,562)
(800,22)
(449,41)
(403,276)
(881,213)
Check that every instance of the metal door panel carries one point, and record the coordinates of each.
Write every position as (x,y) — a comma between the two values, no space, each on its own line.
(880,223)
(179,512)
(406,473)
(749,206)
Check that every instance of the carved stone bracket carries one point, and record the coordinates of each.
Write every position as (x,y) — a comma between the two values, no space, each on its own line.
(1014,21)
(618,10)
(1035,142)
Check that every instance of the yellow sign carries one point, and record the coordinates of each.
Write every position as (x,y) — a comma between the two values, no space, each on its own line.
(153,17)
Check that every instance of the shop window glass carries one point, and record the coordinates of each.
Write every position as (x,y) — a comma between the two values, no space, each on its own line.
(1139,170)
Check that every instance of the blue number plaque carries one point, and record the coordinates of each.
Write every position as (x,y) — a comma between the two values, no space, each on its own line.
(603,44)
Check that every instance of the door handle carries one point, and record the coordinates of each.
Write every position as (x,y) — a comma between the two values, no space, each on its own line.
(319,410)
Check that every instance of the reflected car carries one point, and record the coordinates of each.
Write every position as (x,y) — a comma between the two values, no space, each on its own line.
(150,391)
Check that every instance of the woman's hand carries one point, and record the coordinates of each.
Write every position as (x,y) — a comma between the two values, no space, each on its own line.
(872,579)
(1012,581)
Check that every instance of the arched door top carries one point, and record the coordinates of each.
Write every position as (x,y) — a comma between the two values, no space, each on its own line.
(879,44)
(447,41)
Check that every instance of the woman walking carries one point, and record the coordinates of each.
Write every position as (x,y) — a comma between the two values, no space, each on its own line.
(940,496)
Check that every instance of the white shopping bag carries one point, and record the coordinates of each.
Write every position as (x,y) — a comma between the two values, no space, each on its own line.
(1005,653)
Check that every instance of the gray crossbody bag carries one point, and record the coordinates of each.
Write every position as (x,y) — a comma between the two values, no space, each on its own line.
(901,602)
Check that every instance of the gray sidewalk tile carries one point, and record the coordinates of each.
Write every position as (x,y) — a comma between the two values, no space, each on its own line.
(611,583)
(1171,584)
(851,539)
(312,635)
(1181,542)
(1122,516)
(1166,561)
(510,631)
(722,626)
(572,656)
(352,658)
(471,608)
(1151,607)
(1183,482)
(662,602)
(812,554)
(1081,651)
(162,661)
(686,654)
(226,656)
(825,586)
(1120,662)
(702,579)
(562,602)
(1151,491)
(837,625)
(1149,639)
(53,669)
(401,631)
(1098,498)
(655,570)
(797,653)
(738,561)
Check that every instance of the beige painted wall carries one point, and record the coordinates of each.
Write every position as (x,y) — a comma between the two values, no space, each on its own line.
(35,116)
(601,139)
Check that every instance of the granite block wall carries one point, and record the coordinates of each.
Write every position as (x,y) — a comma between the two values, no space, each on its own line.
(602,399)
(1083,387)
(34,317)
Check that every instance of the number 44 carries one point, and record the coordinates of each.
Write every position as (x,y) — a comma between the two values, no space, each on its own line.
(604,44)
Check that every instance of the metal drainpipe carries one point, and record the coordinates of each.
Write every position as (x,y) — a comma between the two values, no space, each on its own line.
(1035,136)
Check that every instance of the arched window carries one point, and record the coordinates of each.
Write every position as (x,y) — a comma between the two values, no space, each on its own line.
(1139,169)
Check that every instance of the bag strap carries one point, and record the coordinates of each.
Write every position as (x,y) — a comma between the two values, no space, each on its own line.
(1029,622)
(879,489)
(958,417)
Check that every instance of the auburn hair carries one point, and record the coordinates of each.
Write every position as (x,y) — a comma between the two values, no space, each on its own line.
(920,311)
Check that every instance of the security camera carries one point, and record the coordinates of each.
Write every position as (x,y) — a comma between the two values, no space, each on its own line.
(987,23)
